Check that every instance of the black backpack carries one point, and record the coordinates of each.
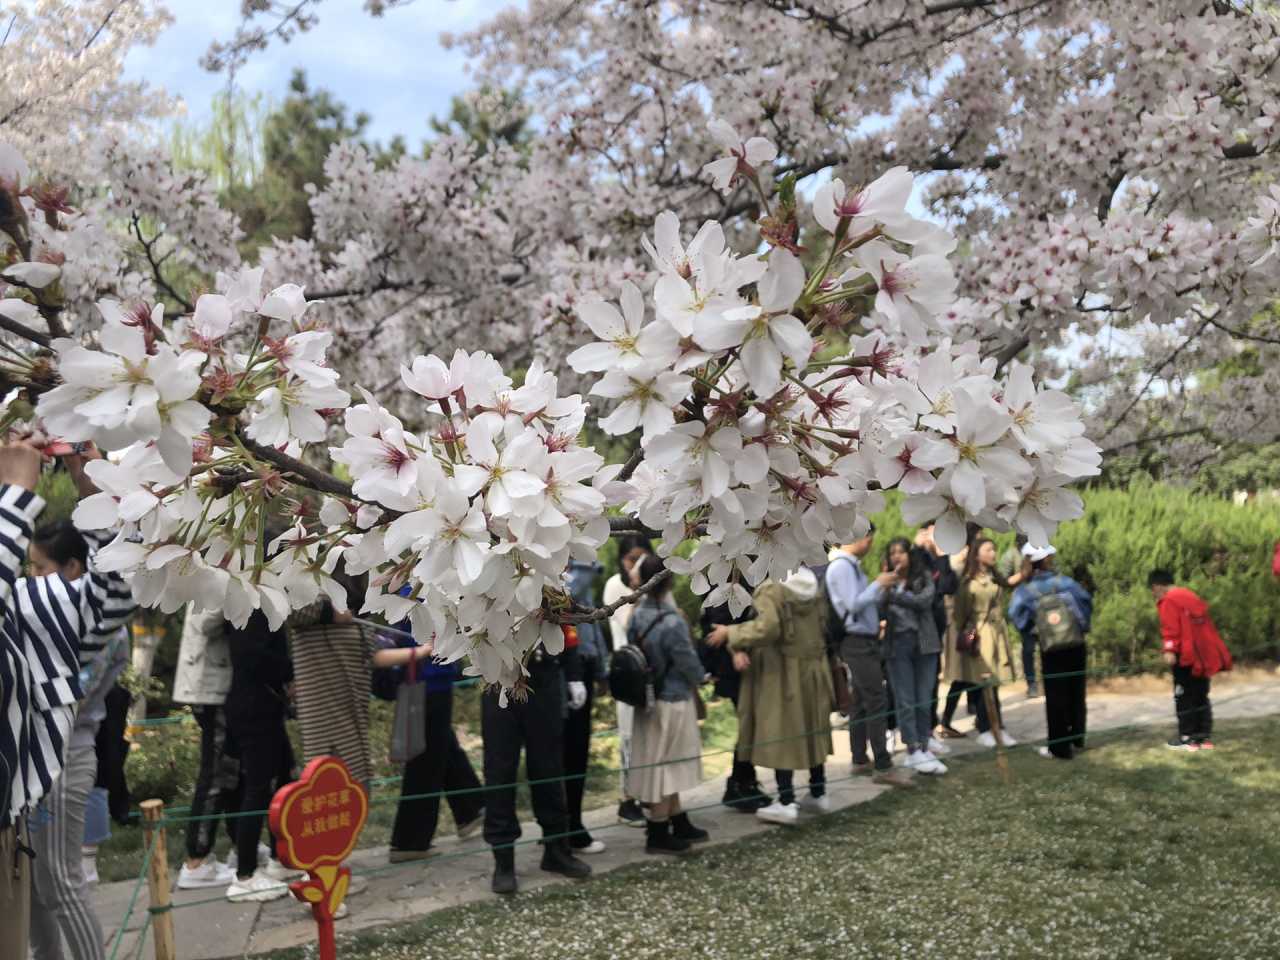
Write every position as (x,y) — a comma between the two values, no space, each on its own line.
(834,629)
(631,677)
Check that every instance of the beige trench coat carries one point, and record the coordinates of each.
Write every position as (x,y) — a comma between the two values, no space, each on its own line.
(784,708)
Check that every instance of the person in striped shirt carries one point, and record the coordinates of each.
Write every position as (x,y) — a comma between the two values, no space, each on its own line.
(45,621)
(60,904)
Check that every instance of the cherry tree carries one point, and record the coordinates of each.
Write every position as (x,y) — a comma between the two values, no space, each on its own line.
(61,63)
(1106,168)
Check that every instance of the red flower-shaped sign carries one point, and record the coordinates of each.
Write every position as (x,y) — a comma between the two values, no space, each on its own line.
(316,822)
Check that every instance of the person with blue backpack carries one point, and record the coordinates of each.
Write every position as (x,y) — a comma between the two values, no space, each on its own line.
(1057,611)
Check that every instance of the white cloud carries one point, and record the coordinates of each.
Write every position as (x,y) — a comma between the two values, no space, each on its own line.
(392,68)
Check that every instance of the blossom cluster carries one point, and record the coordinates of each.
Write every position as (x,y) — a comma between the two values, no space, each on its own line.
(769,423)
(765,445)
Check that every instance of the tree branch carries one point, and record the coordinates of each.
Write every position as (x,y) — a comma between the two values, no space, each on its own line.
(630,466)
(946,6)
(596,614)
(620,526)
(1141,441)
(148,248)
(316,479)
(22,330)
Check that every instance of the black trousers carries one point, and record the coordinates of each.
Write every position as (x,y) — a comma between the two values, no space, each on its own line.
(113,750)
(217,783)
(537,727)
(1064,698)
(1191,701)
(577,755)
(442,767)
(744,772)
(266,761)
(972,693)
(787,783)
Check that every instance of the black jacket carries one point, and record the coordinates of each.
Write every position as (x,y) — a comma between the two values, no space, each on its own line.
(945,584)
(718,661)
(260,670)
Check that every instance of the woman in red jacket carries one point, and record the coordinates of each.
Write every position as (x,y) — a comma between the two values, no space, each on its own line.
(1195,651)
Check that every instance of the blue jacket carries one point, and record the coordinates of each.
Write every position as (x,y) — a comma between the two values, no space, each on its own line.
(439,677)
(1022,611)
(668,647)
(580,579)
(853,595)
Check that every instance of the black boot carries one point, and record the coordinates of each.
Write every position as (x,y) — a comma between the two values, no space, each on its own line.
(744,797)
(659,839)
(682,829)
(558,858)
(504,872)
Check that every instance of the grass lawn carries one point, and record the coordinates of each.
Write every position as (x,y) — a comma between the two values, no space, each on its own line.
(1130,851)
(165,763)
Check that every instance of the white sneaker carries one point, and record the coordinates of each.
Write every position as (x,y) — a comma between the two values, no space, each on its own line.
(937,747)
(259,888)
(890,741)
(783,813)
(987,740)
(921,761)
(279,872)
(812,804)
(89,868)
(233,858)
(210,873)
(594,847)
(1007,740)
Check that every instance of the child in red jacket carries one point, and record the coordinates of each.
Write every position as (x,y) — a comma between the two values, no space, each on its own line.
(1195,651)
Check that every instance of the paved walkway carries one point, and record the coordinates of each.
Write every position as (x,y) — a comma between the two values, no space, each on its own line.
(461,874)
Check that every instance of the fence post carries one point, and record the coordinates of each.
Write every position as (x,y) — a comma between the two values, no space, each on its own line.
(158,879)
(993,717)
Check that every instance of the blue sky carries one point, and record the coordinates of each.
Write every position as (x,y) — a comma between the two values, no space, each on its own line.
(393,68)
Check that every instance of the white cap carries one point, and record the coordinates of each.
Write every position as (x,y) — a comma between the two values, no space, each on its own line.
(1036,554)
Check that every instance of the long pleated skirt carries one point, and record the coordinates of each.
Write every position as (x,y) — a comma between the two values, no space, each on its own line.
(666,751)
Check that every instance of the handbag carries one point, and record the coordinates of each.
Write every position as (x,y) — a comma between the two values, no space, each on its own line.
(409,725)
(840,684)
(968,642)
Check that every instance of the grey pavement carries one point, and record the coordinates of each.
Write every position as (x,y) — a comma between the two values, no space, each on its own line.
(460,874)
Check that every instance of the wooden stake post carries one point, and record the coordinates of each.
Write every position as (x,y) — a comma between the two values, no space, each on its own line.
(158,880)
(993,717)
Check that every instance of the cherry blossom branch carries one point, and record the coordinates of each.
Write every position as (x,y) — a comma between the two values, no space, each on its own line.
(22,330)
(318,480)
(630,466)
(1159,438)
(1155,373)
(596,614)
(148,250)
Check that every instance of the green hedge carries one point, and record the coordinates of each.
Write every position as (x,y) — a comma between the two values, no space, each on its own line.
(1220,550)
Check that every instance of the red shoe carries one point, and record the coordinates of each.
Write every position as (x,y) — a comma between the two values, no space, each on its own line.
(1205,744)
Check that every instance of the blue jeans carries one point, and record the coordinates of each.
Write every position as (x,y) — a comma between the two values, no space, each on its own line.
(911,675)
(1029,660)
